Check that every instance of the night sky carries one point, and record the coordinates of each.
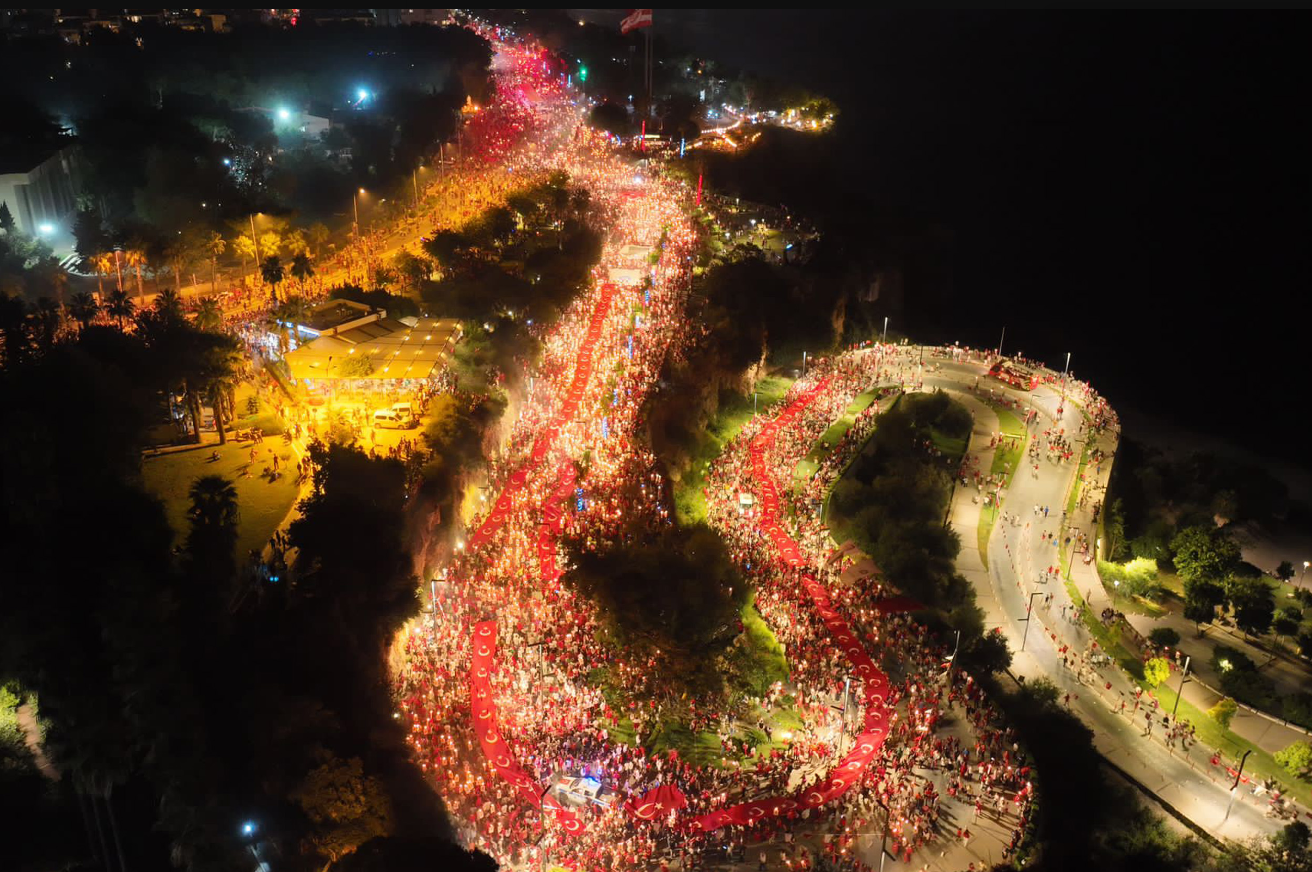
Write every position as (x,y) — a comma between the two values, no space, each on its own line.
(1133,188)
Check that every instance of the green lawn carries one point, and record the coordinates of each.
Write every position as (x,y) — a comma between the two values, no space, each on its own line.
(806,468)
(689,503)
(263,504)
(1007,460)
(988,516)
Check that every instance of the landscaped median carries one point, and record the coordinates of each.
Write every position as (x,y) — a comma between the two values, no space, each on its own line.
(807,467)
(1007,456)
(733,415)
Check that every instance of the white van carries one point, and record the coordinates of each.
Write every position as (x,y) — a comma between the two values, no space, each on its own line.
(405,411)
(388,419)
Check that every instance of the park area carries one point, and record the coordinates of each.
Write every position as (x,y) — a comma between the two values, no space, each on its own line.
(264,499)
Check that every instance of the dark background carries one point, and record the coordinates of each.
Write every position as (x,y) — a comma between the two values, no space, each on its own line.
(1132,188)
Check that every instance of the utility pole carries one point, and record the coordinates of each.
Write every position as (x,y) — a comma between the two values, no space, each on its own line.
(1184,676)
(1000,341)
(884,338)
(1029,613)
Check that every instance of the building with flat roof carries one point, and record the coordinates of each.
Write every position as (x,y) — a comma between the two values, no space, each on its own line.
(378,350)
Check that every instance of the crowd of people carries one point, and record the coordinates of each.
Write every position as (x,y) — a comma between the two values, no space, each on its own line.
(573,467)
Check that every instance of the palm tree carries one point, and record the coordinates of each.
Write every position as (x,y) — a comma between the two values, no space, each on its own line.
(208,315)
(169,301)
(119,305)
(103,264)
(215,246)
(83,308)
(294,243)
(118,266)
(46,316)
(318,234)
(301,269)
(135,257)
(272,272)
(244,245)
(213,503)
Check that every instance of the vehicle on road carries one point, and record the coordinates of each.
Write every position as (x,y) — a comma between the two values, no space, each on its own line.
(388,419)
(1014,374)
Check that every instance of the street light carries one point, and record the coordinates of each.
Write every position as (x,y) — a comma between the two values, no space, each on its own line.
(1184,676)
(884,338)
(1029,612)
(355,207)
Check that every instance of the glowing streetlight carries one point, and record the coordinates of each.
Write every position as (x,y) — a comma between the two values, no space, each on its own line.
(284,114)
(46,229)
(355,208)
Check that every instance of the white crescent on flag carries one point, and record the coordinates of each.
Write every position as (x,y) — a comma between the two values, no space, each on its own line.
(635,19)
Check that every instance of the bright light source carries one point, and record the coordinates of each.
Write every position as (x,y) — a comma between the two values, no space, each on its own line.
(227,161)
(362,94)
(248,828)
(362,190)
(46,229)
(284,114)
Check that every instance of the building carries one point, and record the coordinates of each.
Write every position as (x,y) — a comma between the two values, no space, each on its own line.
(40,185)
(377,352)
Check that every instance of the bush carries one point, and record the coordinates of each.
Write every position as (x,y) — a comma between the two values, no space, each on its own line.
(1138,577)
(1164,636)
(1296,758)
(1157,670)
(1223,712)
(1297,707)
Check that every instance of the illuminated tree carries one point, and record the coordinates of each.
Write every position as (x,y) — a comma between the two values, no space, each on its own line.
(1223,712)
(1157,670)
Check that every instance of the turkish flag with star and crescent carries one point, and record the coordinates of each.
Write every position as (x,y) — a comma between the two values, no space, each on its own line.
(635,19)
(657,803)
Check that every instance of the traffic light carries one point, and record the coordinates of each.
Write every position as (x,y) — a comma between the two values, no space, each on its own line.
(583,72)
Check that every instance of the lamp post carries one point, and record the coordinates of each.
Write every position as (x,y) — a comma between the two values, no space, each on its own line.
(1001,339)
(1184,676)
(355,209)
(884,337)
(1234,788)
(1064,370)
(255,241)
(1302,579)
(1029,613)
(803,364)
(883,842)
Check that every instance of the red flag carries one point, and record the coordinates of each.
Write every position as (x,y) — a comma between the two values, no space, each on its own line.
(657,803)
(635,19)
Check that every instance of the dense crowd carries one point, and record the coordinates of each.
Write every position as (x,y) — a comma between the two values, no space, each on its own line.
(573,467)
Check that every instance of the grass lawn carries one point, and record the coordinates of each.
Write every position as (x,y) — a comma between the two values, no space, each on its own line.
(1006,460)
(988,516)
(767,654)
(263,504)
(807,466)
(689,503)
(1075,487)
